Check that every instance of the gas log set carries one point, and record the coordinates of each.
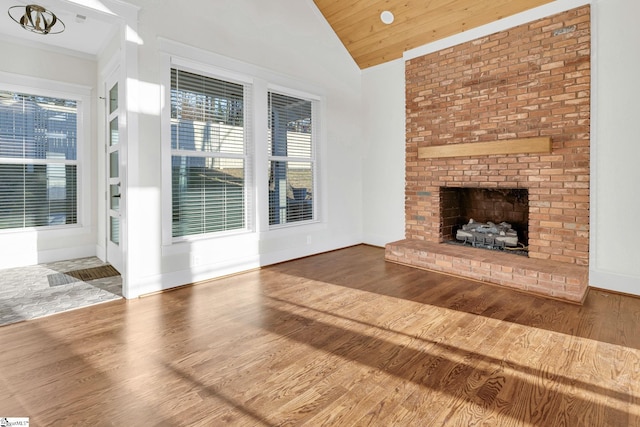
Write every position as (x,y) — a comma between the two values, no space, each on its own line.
(489,235)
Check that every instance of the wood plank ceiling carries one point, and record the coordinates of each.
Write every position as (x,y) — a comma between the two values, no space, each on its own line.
(417,22)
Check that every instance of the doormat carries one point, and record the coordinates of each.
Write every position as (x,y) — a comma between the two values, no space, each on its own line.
(84,275)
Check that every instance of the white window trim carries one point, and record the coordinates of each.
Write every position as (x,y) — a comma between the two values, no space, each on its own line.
(262,80)
(316,101)
(82,95)
(177,62)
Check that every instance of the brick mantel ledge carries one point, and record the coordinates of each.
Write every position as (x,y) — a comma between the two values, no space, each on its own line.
(558,280)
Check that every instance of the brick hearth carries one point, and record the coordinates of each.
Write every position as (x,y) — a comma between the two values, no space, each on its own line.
(549,278)
(532,81)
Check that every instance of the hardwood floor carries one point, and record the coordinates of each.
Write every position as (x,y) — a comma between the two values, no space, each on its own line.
(341,339)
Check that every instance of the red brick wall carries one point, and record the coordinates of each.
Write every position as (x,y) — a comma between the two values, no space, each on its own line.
(528,81)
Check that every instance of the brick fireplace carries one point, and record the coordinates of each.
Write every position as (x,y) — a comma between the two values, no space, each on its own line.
(528,83)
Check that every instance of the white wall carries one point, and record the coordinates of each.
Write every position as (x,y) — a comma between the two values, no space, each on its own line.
(26,65)
(383,179)
(615,141)
(287,39)
(616,146)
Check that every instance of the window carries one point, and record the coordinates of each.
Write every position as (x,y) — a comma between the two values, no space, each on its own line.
(38,161)
(239,151)
(208,155)
(291,159)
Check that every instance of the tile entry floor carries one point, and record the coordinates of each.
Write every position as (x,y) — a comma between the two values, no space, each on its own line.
(45,289)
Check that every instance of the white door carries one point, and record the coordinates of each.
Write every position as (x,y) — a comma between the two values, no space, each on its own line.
(114,203)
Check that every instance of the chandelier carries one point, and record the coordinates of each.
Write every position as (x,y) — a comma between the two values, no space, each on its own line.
(36,19)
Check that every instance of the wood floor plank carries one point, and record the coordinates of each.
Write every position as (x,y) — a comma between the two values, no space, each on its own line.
(341,338)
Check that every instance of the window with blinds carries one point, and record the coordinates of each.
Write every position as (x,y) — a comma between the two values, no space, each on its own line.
(38,161)
(208,155)
(291,159)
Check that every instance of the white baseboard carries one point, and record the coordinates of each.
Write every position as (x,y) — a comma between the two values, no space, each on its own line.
(614,282)
(136,287)
(301,252)
(66,254)
(381,241)
(162,282)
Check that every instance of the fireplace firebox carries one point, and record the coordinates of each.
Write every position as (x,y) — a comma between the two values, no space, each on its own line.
(465,210)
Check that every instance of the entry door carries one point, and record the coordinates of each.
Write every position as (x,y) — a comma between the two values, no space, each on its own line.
(115,201)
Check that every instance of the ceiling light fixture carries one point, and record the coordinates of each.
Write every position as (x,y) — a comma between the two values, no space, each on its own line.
(386,17)
(36,19)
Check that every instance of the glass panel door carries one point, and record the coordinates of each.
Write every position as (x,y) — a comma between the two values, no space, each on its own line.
(114,179)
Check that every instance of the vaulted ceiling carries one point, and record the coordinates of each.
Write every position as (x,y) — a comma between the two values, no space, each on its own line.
(417,22)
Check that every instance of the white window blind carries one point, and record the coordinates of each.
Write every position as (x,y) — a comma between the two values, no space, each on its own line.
(291,159)
(208,154)
(38,161)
